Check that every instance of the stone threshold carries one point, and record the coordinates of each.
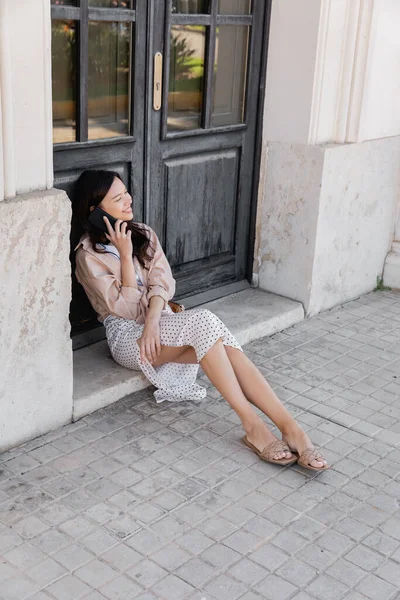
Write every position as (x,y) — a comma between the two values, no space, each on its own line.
(250,314)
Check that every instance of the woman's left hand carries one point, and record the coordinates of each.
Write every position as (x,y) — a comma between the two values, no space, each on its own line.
(150,345)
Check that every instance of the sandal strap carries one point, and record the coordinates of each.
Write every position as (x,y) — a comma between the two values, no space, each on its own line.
(310,454)
(274,448)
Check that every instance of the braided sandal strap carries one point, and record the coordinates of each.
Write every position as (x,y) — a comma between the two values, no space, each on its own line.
(310,454)
(274,448)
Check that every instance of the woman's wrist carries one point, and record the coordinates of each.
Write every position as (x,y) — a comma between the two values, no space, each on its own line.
(153,317)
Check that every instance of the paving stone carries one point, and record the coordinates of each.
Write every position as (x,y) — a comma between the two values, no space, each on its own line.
(220,556)
(146,573)
(24,556)
(224,586)
(96,573)
(18,588)
(121,588)
(335,542)
(46,572)
(73,557)
(172,588)
(69,588)
(346,572)
(275,588)
(171,557)
(365,558)
(376,588)
(99,541)
(30,527)
(269,557)
(145,542)
(390,572)
(289,541)
(196,572)
(248,572)
(327,588)
(51,541)
(297,573)
(381,543)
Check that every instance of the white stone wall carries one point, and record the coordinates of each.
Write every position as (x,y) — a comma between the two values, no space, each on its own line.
(326,223)
(35,349)
(327,214)
(25,97)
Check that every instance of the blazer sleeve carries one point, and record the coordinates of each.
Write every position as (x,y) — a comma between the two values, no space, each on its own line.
(104,290)
(160,281)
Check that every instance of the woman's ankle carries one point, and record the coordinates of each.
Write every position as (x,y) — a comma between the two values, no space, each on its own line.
(252,425)
(290,429)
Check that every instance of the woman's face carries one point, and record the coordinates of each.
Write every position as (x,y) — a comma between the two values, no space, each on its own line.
(117,202)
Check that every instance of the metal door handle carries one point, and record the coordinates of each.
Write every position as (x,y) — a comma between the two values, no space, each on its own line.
(157,89)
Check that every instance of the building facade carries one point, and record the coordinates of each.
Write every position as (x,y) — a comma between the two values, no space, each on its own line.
(261,140)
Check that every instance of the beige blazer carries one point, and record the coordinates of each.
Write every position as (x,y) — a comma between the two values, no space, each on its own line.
(100,275)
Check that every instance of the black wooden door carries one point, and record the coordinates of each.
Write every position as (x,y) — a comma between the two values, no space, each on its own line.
(200,154)
(182,136)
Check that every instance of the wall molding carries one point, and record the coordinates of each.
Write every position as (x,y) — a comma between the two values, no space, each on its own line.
(6,106)
(48,104)
(362,52)
(320,71)
(342,56)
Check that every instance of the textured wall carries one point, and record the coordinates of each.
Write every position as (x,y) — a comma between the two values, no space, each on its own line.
(35,348)
(327,220)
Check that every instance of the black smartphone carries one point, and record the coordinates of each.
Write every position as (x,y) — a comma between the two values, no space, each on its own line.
(96,218)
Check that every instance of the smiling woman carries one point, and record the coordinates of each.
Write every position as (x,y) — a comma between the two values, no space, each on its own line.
(129,282)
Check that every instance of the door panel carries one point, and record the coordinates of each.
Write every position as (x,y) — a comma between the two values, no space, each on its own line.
(201,206)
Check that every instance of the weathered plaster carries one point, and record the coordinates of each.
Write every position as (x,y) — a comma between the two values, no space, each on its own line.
(35,349)
(327,220)
(288,219)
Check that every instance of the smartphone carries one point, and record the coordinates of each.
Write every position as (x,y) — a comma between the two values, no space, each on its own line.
(96,218)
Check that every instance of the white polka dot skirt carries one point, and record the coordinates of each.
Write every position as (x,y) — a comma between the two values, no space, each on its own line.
(198,328)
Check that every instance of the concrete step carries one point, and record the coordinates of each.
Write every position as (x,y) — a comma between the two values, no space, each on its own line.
(250,314)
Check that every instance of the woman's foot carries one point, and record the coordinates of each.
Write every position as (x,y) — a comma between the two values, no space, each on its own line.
(261,437)
(299,442)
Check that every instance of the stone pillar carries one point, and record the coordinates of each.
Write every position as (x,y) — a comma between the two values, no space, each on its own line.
(330,173)
(35,272)
(391,273)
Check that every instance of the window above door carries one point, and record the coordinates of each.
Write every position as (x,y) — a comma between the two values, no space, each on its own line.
(206,65)
(92,48)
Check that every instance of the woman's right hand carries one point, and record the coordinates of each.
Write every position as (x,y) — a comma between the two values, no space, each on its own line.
(120,237)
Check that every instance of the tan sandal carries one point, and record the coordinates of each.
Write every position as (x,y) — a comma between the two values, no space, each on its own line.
(307,456)
(269,452)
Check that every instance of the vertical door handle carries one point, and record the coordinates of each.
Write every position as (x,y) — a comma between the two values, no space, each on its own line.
(157,89)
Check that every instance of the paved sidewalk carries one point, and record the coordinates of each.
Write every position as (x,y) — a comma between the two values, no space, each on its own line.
(147,502)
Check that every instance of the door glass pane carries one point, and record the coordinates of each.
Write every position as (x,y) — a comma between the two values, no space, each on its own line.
(63,2)
(64,81)
(199,7)
(186,77)
(111,3)
(234,7)
(230,75)
(109,79)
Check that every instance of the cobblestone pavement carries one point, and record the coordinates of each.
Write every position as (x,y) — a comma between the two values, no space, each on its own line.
(146,502)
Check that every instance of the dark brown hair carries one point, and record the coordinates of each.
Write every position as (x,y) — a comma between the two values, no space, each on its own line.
(90,189)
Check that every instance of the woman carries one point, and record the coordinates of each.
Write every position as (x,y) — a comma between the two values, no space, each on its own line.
(129,282)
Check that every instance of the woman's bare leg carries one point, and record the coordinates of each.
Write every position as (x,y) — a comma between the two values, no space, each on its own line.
(220,372)
(258,391)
